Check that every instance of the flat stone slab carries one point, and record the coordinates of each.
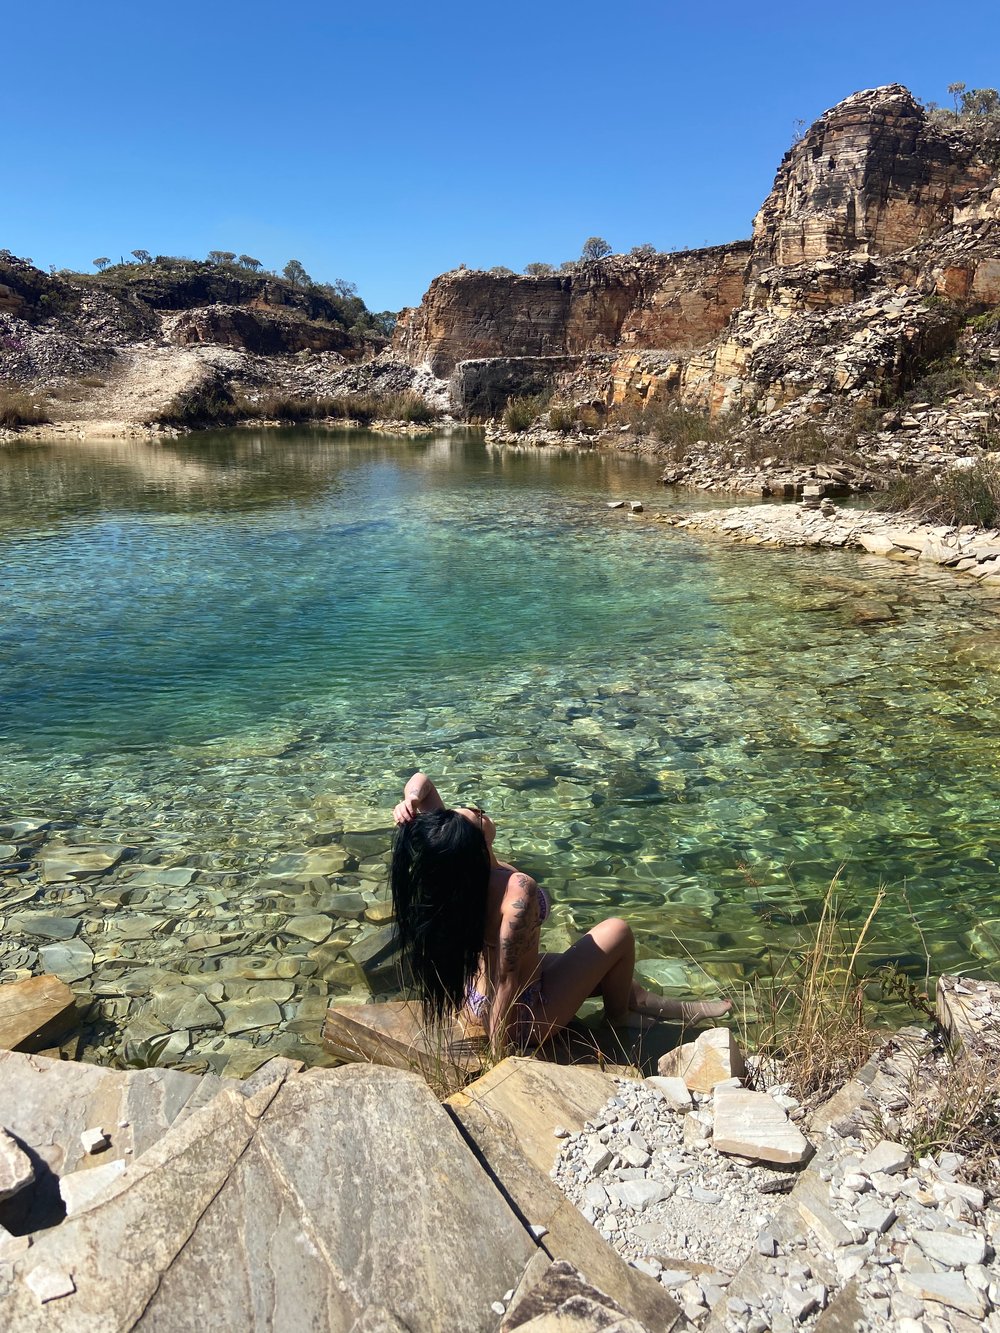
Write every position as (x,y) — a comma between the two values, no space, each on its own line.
(567,1234)
(533,1097)
(69,960)
(48,1104)
(35,1013)
(59,863)
(326,1227)
(46,925)
(752,1124)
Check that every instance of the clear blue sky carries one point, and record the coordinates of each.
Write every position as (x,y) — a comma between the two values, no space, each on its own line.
(386,142)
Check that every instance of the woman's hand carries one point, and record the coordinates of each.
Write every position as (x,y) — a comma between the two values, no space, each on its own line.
(405,811)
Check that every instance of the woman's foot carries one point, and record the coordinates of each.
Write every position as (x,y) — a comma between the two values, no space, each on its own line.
(688,1011)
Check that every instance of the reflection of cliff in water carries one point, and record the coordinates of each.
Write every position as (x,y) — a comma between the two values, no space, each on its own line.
(233,470)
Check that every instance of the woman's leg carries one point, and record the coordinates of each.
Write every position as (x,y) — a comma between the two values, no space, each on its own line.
(599,963)
(602,963)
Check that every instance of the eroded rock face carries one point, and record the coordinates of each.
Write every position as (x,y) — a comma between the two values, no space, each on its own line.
(261,332)
(872,175)
(680,300)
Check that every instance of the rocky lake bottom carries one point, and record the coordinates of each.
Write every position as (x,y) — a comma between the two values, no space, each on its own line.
(220,659)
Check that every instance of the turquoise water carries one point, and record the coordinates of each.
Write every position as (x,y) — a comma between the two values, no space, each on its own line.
(237,646)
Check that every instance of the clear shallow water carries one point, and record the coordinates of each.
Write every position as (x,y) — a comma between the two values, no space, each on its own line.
(238,646)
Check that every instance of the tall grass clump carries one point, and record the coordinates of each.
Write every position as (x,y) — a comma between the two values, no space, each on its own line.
(959,495)
(807,1012)
(18,408)
(562,419)
(519,413)
(407,406)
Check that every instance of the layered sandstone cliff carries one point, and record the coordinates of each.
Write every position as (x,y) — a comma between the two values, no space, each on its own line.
(880,231)
(680,300)
(871,175)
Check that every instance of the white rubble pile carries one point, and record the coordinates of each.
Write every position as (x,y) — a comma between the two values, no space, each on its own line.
(745,1246)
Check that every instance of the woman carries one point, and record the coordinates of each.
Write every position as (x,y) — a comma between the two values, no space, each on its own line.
(469,926)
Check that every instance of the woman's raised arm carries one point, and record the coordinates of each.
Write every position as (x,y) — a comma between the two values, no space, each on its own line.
(420,796)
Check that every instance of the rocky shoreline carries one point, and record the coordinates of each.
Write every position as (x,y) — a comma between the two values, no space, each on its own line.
(562,1198)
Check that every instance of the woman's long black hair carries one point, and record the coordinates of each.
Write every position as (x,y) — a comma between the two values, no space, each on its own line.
(440,878)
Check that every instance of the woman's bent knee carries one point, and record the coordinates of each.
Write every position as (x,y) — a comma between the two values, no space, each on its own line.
(614,932)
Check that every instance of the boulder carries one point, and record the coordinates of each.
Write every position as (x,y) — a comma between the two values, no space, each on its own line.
(712,1058)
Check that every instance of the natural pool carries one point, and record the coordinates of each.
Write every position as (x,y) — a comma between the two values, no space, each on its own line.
(229,651)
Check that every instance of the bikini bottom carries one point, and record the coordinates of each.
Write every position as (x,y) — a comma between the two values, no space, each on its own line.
(479,1005)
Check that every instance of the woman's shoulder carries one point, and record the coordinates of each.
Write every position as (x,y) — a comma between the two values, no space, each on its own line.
(513,883)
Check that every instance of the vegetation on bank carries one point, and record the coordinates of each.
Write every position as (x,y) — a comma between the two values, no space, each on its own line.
(956,496)
(217,405)
(20,408)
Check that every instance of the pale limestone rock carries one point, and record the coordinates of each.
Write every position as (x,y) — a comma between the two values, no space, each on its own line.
(80,1188)
(951,1248)
(674,1092)
(59,863)
(240,1177)
(886,1157)
(183,1008)
(315,928)
(711,1059)
(16,1170)
(94,1140)
(950,1289)
(752,1124)
(876,543)
(248,1015)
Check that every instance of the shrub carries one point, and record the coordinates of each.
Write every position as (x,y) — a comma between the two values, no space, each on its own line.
(204,405)
(520,413)
(563,419)
(959,495)
(940,379)
(18,408)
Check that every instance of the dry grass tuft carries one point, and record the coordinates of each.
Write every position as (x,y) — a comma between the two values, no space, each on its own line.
(808,1013)
(19,408)
(955,1107)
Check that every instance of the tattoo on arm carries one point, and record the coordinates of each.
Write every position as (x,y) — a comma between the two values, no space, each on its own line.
(520,922)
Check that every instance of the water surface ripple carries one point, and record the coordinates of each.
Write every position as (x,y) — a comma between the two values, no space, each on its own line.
(240,645)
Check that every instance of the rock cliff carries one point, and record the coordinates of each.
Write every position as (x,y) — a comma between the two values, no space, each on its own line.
(871,175)
(680,300)
(878,241)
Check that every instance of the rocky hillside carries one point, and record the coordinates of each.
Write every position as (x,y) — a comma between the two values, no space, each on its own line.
(121,347)
(873,273)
